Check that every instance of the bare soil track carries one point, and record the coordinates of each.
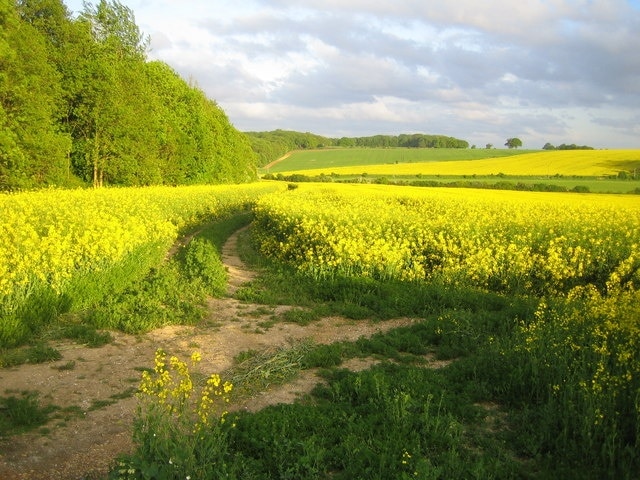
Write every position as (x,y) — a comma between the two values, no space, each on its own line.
(277,160)
(97,384)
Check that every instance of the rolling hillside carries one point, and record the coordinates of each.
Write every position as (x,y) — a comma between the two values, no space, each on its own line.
(590,163)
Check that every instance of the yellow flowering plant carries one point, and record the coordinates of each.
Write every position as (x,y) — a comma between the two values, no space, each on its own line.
(579,357)
(509,242)
(180,428)
(64,249)
(575,362)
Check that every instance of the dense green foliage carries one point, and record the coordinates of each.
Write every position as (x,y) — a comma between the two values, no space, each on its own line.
(270,146)
(513,142)
(564,146)
(80,103)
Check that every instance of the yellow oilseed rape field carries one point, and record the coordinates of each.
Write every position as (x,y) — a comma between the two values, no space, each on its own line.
(542,243)
(591,163)
(576,256)
(49,237)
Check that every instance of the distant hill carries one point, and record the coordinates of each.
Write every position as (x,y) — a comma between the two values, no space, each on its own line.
(269,146)
(364,159)
(593,163)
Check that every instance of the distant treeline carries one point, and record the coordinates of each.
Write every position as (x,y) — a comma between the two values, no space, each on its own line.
(564,146)
(80,104)
(415,140)
(270,146)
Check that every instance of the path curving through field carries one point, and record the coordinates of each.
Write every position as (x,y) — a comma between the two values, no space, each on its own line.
(277,160)
(238,272)
(96,385)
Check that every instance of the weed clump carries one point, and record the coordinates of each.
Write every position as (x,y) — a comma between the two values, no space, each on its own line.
(202,263)
(180,428)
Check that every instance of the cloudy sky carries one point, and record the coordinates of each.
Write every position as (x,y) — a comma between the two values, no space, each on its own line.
(559,71)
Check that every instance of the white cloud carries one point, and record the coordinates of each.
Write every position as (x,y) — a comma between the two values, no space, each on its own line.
(543,70)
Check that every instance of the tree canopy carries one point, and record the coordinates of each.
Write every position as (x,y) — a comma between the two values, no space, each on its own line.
(414,140)
(564,146)
(81,104)
(514,142)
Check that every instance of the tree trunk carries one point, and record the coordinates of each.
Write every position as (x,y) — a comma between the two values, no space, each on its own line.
(96,161)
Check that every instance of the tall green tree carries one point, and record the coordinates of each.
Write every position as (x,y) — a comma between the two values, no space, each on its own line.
(224,155)
(196,142)
(80,102)
(114,24)
(50,17)
(108,117)
(513,142)
(171,117)
(33,150)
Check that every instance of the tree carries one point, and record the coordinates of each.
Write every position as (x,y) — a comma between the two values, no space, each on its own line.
(33,151)
(513,142)
(80,102)
(115,55)
(50,17)
(489,146)
(113,23)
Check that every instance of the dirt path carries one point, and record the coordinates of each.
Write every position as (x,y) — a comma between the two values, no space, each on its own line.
(97,384)
(277,160)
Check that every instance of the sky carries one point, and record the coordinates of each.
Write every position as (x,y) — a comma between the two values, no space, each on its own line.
(557,71)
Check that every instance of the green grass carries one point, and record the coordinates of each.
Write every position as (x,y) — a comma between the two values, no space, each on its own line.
(508,182)
(69,328)
(175,291)
(348,157)
(44,307)
(592,184)
(508,404)
(21,412)
(40,352)
(390,421)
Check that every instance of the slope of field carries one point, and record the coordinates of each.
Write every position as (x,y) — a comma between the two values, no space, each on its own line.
(573,162)
(352,157)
